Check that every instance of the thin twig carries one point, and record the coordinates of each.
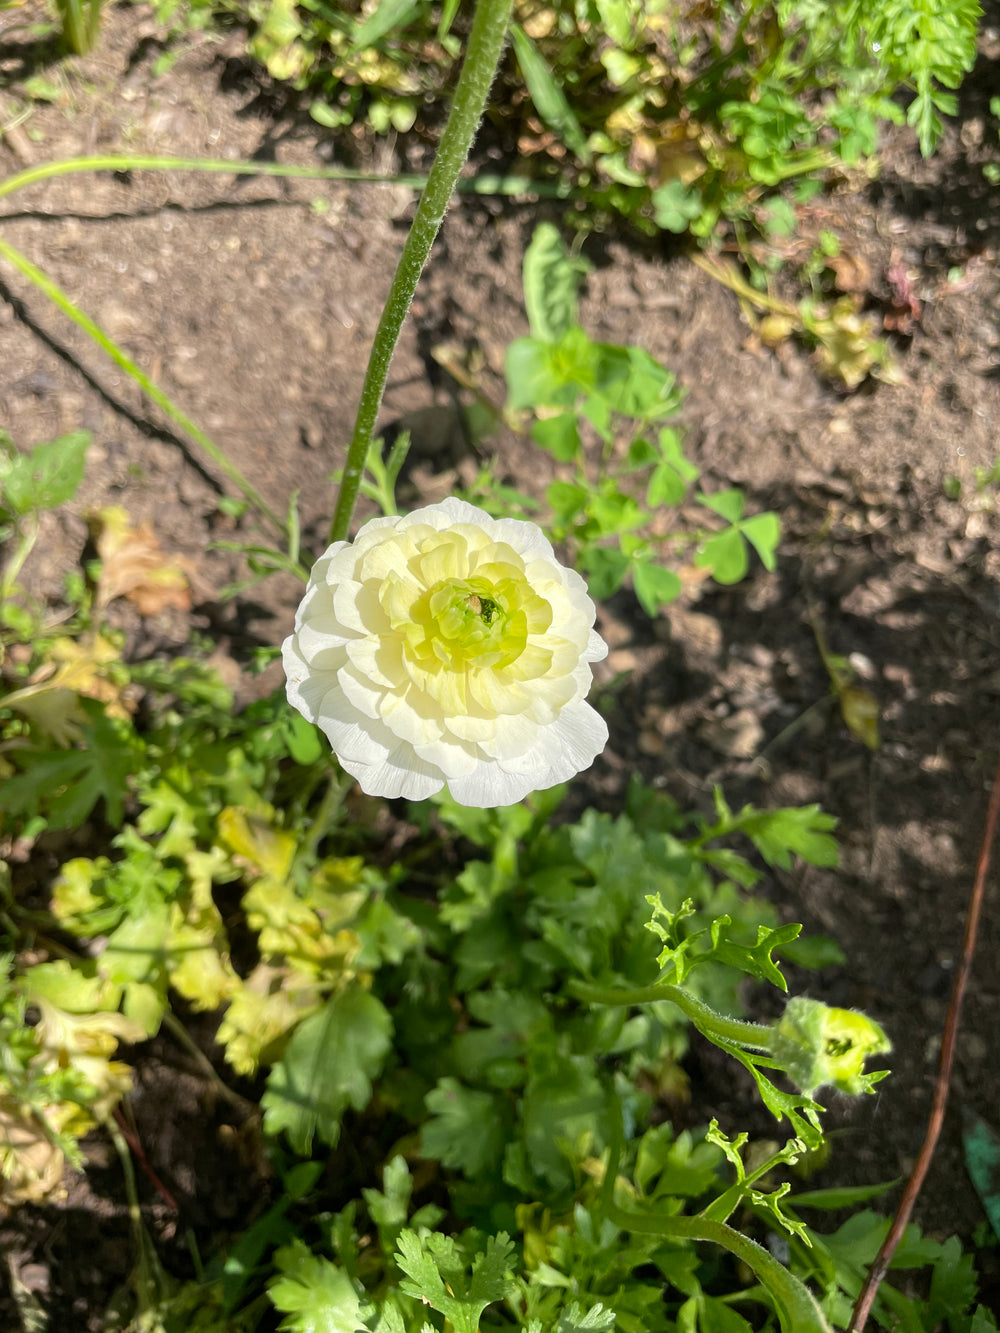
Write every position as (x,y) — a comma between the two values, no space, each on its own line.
(132,1139)
(935,1120)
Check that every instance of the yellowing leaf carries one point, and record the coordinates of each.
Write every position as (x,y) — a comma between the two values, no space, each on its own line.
(250,835)
(75,667)
(198,954)
(261,1014)
(288,926)
(84,1040)
(72,893)
(31,1165)
(133,565)
(861,713)
(54,711)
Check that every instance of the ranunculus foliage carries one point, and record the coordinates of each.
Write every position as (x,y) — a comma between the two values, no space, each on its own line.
(448,647)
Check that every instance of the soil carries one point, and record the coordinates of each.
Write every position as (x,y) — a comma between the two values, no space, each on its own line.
(253,302)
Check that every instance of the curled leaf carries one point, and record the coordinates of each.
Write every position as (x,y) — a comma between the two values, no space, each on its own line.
(135,566)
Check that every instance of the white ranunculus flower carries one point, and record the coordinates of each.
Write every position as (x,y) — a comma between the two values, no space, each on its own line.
(448,647)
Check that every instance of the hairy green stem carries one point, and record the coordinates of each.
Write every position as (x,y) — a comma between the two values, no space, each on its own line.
(489,28)
(59,298)
(797,1307)
(706,1020)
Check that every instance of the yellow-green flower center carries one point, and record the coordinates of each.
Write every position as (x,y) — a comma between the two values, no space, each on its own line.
(464,609)
(470,622)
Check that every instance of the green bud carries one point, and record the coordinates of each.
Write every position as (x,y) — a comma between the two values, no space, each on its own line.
(819,1046)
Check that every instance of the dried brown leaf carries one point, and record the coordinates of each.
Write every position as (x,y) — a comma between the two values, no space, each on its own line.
(134,565)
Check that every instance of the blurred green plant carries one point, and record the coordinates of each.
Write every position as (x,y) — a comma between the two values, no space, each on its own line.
(607,414)
(506,1001)
(672,116)
(81,23)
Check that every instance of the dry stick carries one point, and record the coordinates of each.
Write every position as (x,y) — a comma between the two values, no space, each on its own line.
(132,1139)
(935,1120)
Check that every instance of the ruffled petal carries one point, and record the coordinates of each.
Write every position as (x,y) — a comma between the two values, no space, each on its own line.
(409,684)
(488,785)
(401,773)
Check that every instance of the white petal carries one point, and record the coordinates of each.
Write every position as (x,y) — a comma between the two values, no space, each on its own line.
(406,721)
(452,758)
(571,743)
(318,572)
(526,538)
(596,649)
(472,727)
(362,741)
(318,632)
(447,514)
(379,661)
(365,696)
(309,695)
(489,785)
(390,557)
(368,530)
(347,607)
(514,736)
(402,773)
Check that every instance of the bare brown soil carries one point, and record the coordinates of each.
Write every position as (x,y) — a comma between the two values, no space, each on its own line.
(253,303)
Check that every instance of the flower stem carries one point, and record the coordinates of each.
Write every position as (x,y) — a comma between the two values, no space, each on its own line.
(705,1019)
(796,1306)
(489,28)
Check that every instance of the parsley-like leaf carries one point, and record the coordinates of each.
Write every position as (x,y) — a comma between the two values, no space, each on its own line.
(436,1273)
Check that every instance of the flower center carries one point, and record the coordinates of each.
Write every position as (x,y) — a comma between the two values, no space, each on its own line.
(461,623)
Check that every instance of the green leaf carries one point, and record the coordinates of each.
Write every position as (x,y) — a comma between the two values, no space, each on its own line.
(65,785)
(330,1062)
(605,570)
(982,1160)
(847,1197)
(558,435)
(953,1282)
(779,834)
(615,512)
(551,282)
(547,94)
(389,14)
(44,478)
(755,960)
(654,586)
(725,555)
(666,487)
(437,1275)
(634,384)
(717,1317)
(676,205)
(596,1320)
(763,532)
(467,1129)
(315,1295)
(566,500)
(641,454)
(727,504)
(616,15)
(814,952)
(303,739)
(544,374)
(268,1232)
